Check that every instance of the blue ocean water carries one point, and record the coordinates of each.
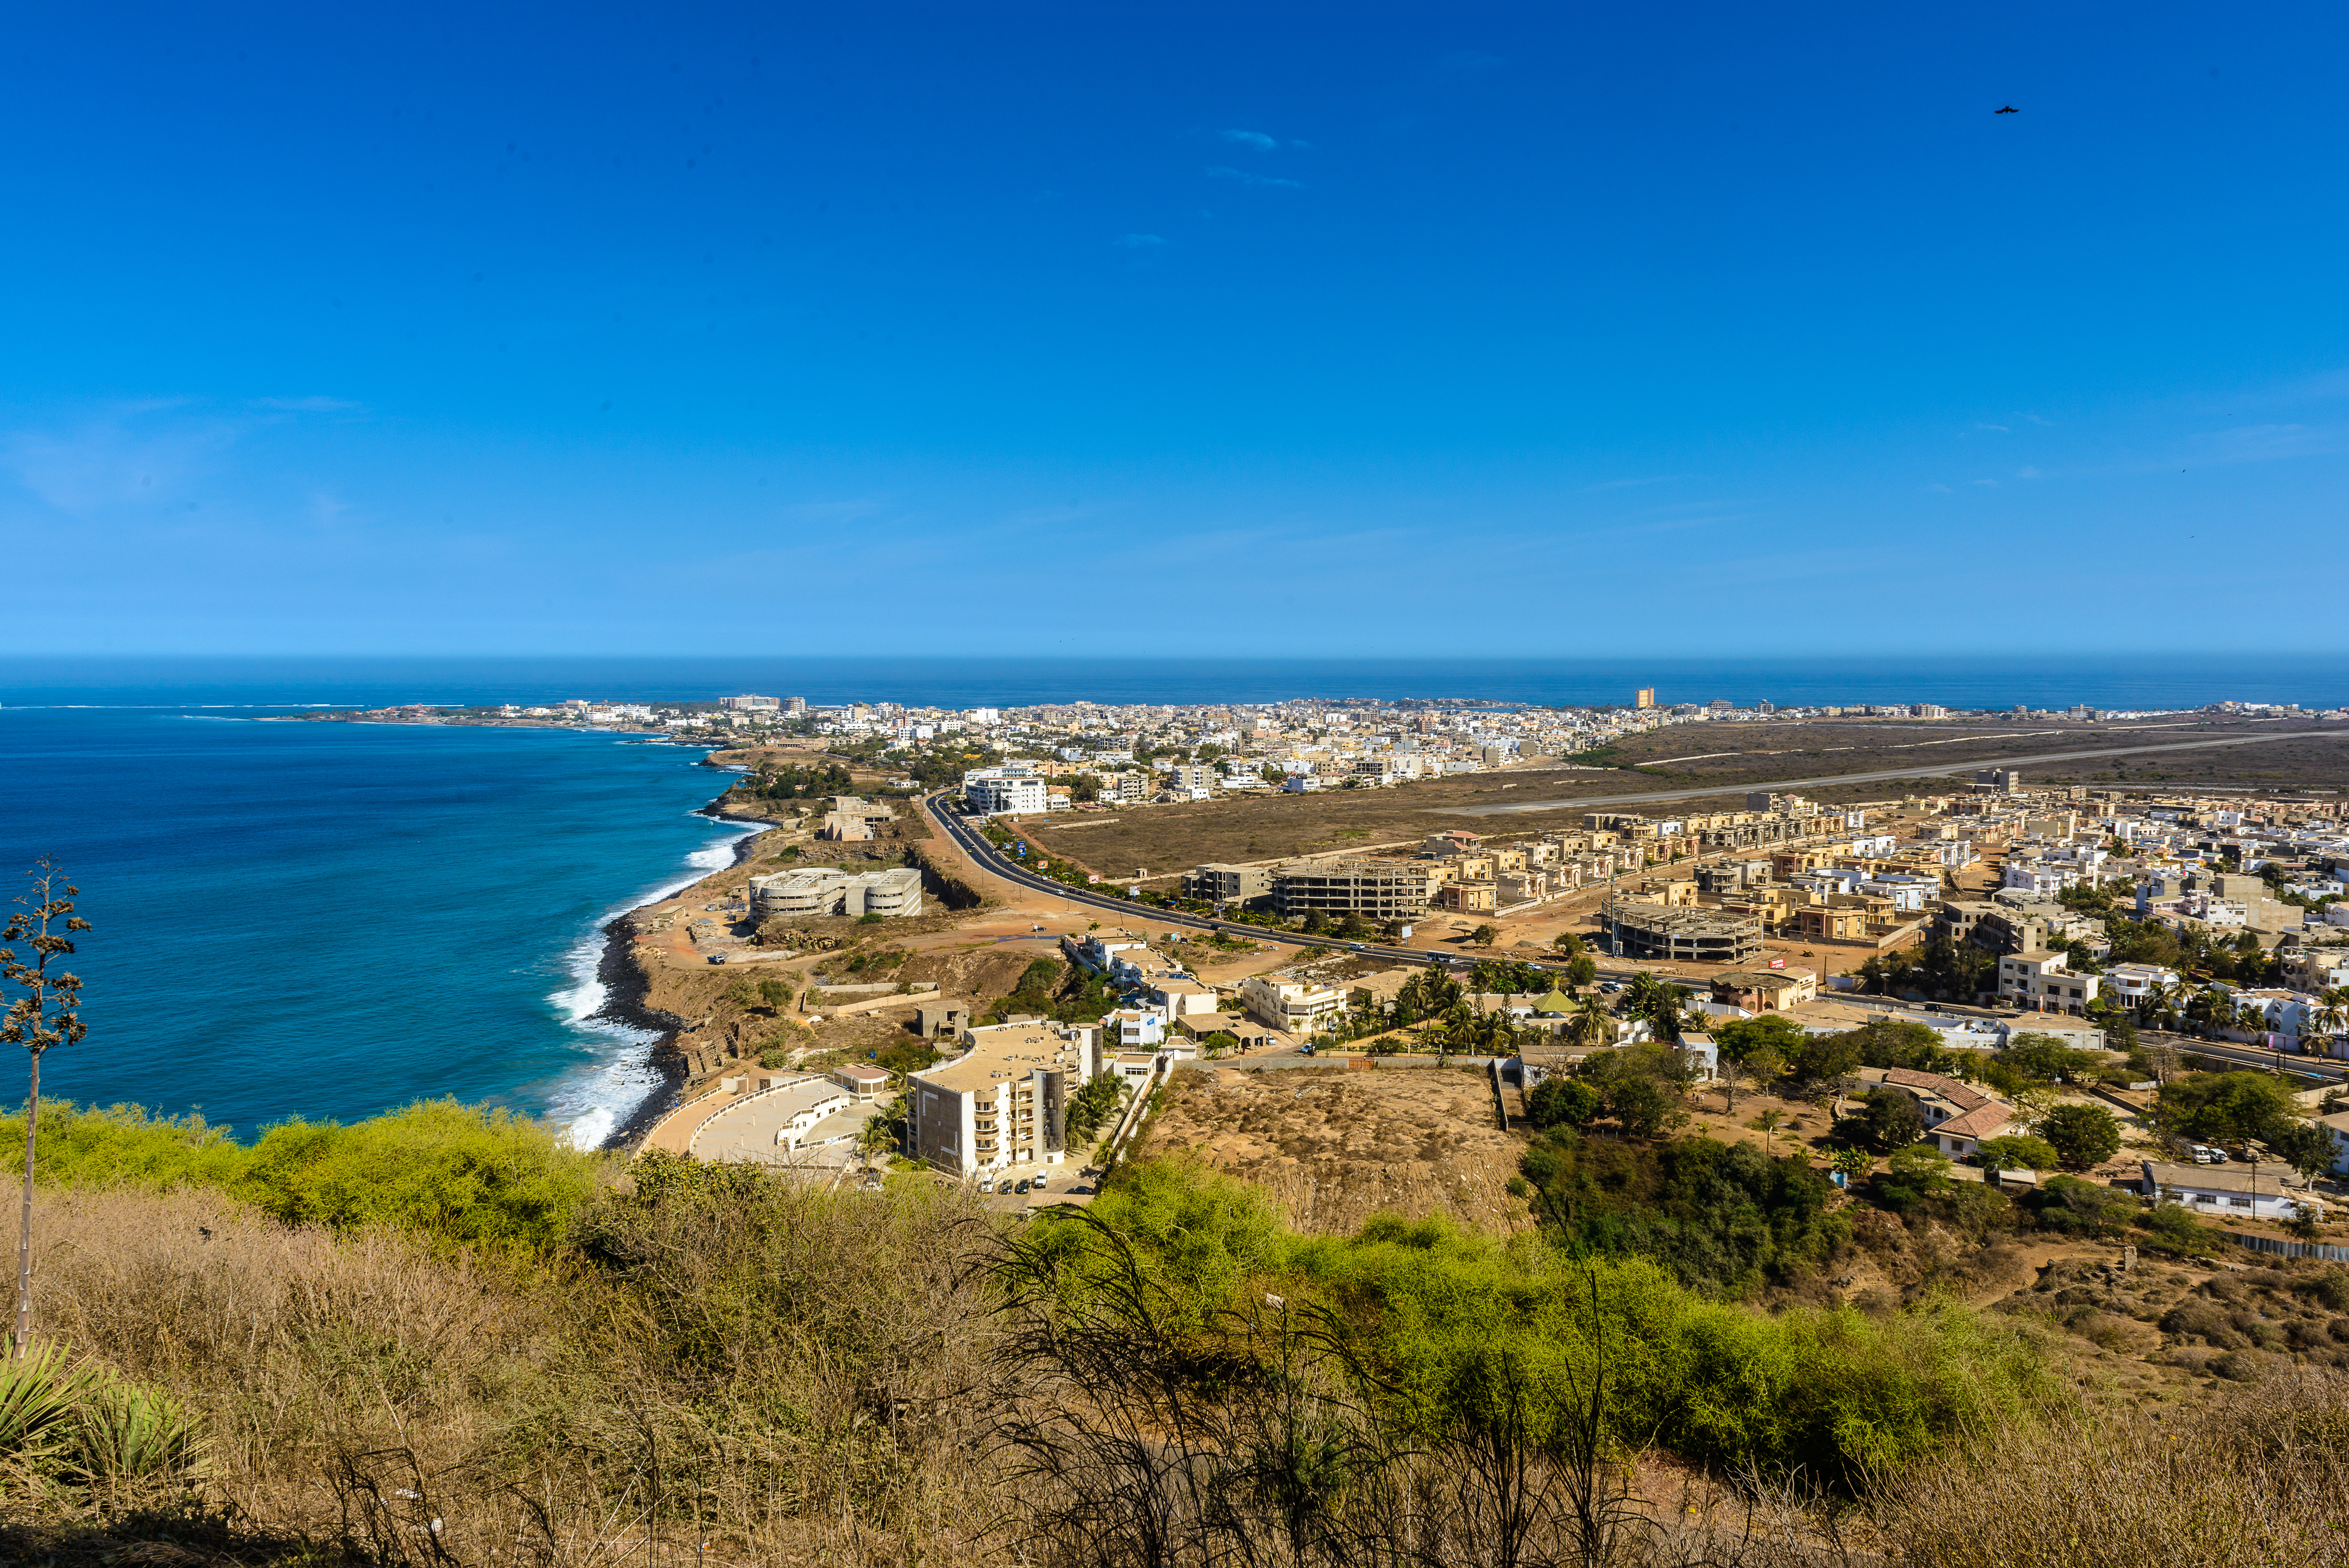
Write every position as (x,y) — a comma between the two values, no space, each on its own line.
(2055,680)
(329,919)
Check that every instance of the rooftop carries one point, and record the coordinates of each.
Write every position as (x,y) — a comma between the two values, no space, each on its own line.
(1001,1051)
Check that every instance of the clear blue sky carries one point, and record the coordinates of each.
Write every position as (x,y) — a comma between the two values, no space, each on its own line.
(1354,328)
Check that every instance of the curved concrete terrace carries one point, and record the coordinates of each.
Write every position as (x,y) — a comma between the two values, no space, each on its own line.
(772,1125)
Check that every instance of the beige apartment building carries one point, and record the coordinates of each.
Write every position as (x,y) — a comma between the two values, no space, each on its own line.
(1294,1005)
(1003,1102)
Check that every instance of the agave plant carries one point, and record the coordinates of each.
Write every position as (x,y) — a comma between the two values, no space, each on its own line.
(42,1394)
(129,1436)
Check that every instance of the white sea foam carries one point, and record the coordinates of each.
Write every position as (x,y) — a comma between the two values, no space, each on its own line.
(589,1103)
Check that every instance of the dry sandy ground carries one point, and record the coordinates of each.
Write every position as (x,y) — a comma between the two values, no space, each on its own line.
(1335,1146)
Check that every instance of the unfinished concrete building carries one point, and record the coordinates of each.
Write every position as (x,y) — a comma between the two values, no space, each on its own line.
(1685,936)
(1374,890)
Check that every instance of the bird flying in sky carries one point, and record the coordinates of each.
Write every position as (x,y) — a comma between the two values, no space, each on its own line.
(2010,108)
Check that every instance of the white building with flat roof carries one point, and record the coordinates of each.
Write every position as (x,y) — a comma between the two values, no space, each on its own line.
(1003,1102)
(1013,789)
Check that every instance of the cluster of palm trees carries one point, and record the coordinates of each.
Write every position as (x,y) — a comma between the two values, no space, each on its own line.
(1450,1023)
(2204,1009)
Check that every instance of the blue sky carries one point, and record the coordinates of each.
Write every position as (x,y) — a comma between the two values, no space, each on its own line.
(1472,329)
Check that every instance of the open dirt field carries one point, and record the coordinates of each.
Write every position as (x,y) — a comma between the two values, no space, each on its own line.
(1336,1146)
(1162,840)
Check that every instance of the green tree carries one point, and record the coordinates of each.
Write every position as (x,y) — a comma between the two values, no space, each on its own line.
(2074,1206)
(2044,1059)
(2081,1136)
(2228,1107)
(1740,1038)
(2305,1146)
(45,1011)
(2019,1151)
(1483,937)
(1580,970)
(1887,1120)
(1565,1102)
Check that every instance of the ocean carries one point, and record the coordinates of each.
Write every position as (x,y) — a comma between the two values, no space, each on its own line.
(328,921)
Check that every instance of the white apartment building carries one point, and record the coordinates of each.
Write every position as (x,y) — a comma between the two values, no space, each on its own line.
(1003,1102)
(1013,789)
(1135,1028)
(2131,983)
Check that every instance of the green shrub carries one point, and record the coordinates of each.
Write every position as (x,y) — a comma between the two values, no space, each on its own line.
(92,1147)
(2019,1152)
(438,1168)
(2170,1228)
(2071,1207)
(1456,1327)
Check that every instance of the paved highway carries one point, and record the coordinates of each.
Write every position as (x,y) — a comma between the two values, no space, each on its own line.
(2321,1069)
(974,843)
(1932,771)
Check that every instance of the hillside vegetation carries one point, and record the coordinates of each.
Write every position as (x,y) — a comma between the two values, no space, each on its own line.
(440,1337)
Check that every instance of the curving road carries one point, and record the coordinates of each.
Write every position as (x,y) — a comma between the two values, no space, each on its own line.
(1933,771)
(973,842)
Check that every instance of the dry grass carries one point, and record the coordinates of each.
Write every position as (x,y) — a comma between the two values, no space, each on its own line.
(1334,1146)
(776,1377)
(2258,1481)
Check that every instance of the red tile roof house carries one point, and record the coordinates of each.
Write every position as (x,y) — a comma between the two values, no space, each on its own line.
(1958,1115)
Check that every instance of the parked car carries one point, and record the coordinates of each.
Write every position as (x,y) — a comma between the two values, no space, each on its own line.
(1021,1188)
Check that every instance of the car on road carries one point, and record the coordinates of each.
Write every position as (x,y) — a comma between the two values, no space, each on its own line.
(717,958)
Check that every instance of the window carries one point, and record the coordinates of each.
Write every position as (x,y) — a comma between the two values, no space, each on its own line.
(2239,1203)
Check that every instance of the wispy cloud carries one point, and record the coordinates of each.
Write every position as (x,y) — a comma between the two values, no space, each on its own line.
(107,463)
(1630,484)
(1256,181)
(1256,140)
(305,405)
(1987,484)
(1138,241)
(2027,470)
(2003,430)
(1941,489)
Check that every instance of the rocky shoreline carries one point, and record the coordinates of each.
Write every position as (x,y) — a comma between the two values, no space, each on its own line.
(624,989)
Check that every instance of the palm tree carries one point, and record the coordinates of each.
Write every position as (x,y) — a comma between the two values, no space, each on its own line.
(2331,1014)
(1589,1022)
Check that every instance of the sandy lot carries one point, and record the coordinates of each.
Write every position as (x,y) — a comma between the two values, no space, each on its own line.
(1335,1146)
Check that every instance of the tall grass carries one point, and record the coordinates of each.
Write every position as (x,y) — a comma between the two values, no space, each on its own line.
(702,1365)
